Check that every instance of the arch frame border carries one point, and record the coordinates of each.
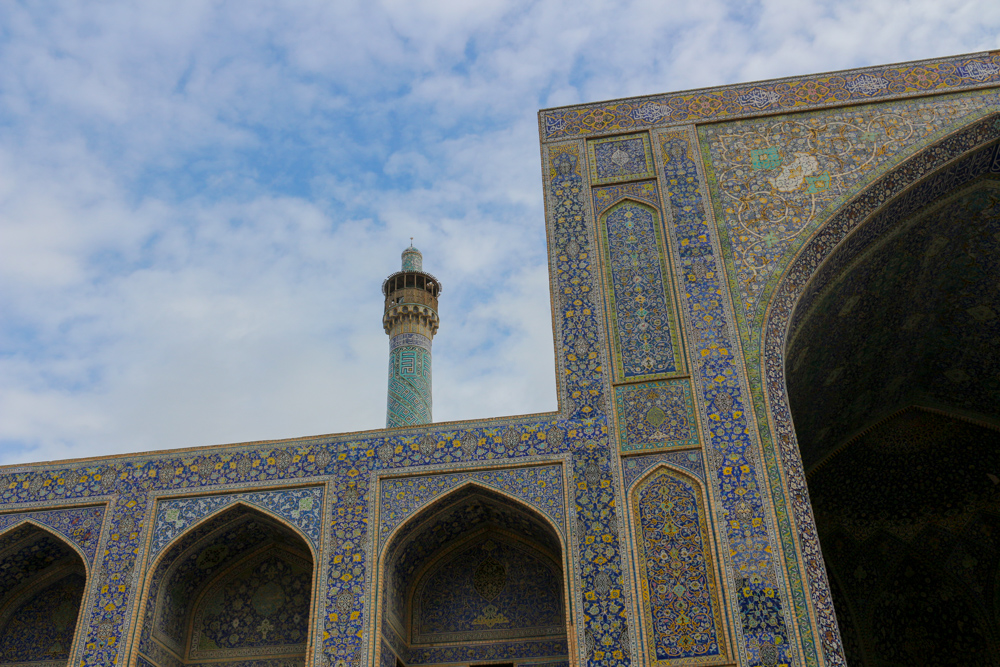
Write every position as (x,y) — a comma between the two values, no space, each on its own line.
(371,648)
(855,215)
(135,616)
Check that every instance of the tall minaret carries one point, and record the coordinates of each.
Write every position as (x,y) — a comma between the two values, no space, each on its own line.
(411,320)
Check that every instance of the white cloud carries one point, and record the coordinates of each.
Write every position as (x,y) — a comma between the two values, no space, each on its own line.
(198,201)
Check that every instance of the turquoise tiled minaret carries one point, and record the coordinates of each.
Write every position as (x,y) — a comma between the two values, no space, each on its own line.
(411,320)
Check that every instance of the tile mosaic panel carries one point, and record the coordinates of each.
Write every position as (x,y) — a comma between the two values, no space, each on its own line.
(391,638)
(761,605)
(201,555)
(300,507)
(388,658)
(26,553)
(409,397)
(260,609)
(775,180)
(604,613)
(680,597)
(640,298)
(607,637)
(620,159)
(80,526)
(635,467)
(481,523)
(492,588)
(656,415)
(644,191)
(40,630)
(460,514)
(578,335)
(791,94)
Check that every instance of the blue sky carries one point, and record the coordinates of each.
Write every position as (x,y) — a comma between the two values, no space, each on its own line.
(199,200)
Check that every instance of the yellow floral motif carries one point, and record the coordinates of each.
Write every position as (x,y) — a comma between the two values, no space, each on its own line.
(491,616)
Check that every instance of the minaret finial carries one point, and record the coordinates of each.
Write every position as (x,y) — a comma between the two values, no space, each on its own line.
(411,320)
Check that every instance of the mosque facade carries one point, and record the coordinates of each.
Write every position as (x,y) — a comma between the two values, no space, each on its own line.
(776,316)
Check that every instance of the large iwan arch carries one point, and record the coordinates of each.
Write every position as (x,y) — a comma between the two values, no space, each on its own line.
(884,330)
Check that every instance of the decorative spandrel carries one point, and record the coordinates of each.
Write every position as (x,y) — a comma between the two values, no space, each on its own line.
(300,507)
(776,180)
(81,526)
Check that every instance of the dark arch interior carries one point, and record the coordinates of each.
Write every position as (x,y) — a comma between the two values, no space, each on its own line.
(235,590)
(894,383)
(475,579)
(42,580)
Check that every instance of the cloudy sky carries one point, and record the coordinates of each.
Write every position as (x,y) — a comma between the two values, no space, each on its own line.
(199,200)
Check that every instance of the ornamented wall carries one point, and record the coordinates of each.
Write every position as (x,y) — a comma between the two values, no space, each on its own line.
(660,516)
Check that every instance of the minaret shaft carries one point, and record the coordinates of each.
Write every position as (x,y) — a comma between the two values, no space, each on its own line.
(410,320)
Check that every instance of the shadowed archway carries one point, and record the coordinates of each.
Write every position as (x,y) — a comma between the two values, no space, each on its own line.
(893,379)
(235,589)
(42,584)
(475,578)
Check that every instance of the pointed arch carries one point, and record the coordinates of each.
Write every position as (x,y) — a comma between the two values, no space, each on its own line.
(673,468)
(455,525)
(239,502)
(964,156)
(225,543)
(84,558)
(47,599)
(418,513)
(680,598)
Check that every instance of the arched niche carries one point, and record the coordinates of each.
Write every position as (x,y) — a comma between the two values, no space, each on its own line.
(42,584)
(474,578)
(678,588)
(636,281)
(235,589)
(881,344)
